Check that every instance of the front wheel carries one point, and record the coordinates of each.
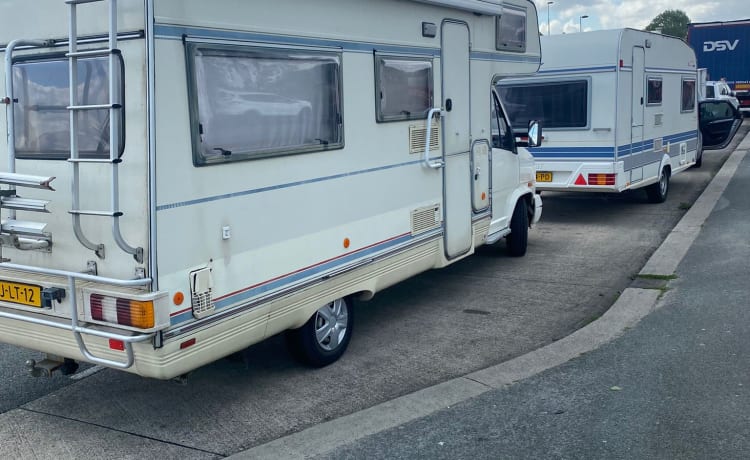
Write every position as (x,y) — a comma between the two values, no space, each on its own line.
(657,193)
(518,239)
(325,336)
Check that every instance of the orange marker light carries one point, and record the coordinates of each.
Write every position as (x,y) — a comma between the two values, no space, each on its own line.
(178,298)
(484,196)
(346,243)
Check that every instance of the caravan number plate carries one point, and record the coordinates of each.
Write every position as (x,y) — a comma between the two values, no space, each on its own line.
(543,176)
(25,294)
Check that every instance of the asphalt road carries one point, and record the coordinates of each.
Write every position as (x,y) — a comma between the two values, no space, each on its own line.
(437,326)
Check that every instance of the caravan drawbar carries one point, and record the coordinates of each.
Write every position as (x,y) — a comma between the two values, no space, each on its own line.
(186,178)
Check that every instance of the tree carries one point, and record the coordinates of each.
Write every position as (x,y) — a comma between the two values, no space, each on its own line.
(671,22)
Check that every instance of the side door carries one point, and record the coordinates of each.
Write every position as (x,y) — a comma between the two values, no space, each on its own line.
(457,187)
(718,120)
(638,105)
(504,164)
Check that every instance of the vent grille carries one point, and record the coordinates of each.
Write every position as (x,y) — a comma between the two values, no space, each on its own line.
(424,219)
(201,289)
(202,304)
(658,145)
(658,119)
(418,137)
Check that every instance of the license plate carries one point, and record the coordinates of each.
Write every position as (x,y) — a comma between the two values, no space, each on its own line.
(24,294)
(543,176)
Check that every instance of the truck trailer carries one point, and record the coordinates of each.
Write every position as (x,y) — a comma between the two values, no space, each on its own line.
(723,49)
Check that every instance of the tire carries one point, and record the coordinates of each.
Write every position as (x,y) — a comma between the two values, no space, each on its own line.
(657,193)
(325,336)
(518,239)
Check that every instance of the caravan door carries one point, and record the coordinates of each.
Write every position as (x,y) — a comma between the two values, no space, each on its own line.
(636,130)
(456,138)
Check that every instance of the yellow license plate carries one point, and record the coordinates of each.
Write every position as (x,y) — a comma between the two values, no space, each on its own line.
(24,294)
(543,176)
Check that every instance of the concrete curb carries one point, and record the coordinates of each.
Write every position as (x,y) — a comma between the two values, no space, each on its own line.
(630,307)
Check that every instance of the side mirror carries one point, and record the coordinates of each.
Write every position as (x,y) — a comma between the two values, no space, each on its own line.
(535,134)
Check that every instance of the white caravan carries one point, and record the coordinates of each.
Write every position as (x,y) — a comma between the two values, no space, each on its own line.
(186,178)
(618,109)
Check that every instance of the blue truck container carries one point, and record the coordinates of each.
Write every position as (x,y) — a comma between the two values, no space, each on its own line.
(723,48)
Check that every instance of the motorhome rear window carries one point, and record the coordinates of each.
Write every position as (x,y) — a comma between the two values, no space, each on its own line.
(403,87)
(654,91)
(559,104)
(687,101)
(511,30)
(254,102)
(42,120)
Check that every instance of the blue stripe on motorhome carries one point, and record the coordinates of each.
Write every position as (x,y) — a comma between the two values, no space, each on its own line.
(498,57)
(312,271)
(579,69)
(573,152)
(225,196)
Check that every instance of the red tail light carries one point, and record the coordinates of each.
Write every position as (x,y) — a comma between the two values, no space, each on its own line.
(601,179)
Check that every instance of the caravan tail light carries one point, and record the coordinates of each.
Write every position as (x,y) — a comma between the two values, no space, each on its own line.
(127,312)
(601,179)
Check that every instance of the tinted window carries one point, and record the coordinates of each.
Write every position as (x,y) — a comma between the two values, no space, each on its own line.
(403,88)
(555,104)
(42,120)
(511,30)
(710,94)
(654,90)
(251,102)
(688,96)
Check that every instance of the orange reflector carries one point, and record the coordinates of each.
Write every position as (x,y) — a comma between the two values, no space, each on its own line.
(187,343)
(484,196)
(346,242)
(115,344)
(580,180)
(601,179)
(178,298)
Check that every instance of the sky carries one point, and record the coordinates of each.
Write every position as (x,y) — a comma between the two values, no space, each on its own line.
(565,15)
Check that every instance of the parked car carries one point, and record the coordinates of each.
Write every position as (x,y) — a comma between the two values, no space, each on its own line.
(721,90)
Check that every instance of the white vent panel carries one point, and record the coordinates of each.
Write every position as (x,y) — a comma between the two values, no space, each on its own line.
(418,137)
(201,289)
(424,219)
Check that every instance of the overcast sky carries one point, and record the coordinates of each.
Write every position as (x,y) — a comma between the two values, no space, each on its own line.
(611,14)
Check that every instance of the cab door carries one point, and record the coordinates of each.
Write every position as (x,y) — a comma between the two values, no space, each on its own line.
(718,121)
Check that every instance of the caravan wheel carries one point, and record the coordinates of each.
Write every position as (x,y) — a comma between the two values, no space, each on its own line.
(657,193)
(325,336)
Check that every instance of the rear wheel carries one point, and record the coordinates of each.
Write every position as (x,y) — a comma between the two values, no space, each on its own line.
(518,239)
(325,336)
(657,193)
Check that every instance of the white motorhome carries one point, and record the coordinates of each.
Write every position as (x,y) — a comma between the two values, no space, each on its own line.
(186,178)
(618,109)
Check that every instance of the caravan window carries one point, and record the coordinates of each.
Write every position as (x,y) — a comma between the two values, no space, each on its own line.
(510,34)
(654,90)
(403,87)
(42,120)
(557,104)
(687,103)
(254,102)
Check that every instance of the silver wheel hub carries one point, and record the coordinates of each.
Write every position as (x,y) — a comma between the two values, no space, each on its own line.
(331,323)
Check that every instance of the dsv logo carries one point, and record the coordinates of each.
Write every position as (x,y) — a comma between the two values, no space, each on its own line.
(720,45)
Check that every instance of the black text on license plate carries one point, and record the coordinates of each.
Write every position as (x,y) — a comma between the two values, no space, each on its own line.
(24,294)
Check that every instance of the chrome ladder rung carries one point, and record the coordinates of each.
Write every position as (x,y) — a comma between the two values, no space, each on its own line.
(22,227)
(94,53)
(94,107)
(25,180)
(81,212)
(95,160)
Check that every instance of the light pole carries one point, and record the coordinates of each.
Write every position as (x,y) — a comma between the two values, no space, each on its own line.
(548,4)
(580,22)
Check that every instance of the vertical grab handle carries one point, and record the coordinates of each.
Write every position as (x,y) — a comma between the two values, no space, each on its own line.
(437,164)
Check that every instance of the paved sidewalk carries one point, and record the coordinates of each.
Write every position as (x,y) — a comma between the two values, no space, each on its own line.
(670,384)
